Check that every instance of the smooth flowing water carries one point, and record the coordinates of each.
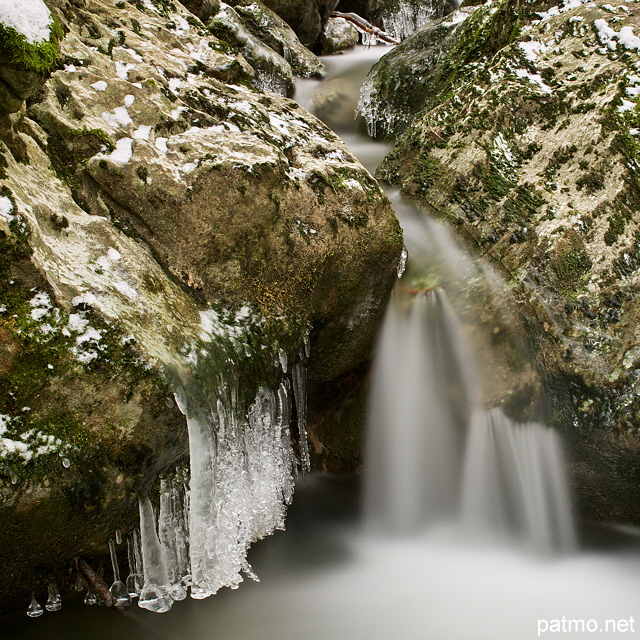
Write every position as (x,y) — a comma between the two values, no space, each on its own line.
(444,540)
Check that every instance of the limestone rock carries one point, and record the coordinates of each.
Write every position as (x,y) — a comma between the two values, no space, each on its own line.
(274,32)
(272,71)
(147,190)
(526,142)
(338,34)
(301,15)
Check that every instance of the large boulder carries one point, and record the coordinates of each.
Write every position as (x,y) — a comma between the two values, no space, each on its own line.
(275,33)
(302,16)
(156,207)
(523,136)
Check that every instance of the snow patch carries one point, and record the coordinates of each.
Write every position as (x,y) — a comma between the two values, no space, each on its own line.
(101,85)
(123,151)
(142,132)
(6,207)
(31,18)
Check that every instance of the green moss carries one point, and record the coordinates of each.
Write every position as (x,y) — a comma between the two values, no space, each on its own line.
(616,228)
(16,51)
(591,181)
(495,183)
(570,267)
(523,204)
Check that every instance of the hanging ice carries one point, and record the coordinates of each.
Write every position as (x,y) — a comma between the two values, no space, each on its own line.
(118,589)
(241,481)
(173,537)
(54,601)
(155,592)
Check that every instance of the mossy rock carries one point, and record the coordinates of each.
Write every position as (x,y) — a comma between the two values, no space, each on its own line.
(527,144)
(25,65)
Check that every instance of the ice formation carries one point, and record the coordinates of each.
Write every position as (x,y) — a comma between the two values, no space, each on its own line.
(242,468)
(405,19)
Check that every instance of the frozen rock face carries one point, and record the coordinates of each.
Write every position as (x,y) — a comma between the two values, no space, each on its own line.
(530,150)
(154,205)
(400,18)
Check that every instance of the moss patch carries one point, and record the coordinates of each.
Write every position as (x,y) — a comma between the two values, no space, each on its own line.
(16,51)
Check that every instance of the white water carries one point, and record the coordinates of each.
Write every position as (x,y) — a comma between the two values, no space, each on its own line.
(424,391)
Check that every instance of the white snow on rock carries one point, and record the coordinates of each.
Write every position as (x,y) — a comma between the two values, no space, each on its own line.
(123,151)
(6,208)
(142,132)
(31,18)
(101,85)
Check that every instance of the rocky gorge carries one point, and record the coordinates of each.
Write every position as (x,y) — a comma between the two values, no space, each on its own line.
(173,224)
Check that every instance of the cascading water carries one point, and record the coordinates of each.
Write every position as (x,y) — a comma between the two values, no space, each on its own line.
(425,404)
(424,391)
(514,483)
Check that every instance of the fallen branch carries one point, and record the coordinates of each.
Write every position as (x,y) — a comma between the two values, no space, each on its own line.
(93,580)
(365,27)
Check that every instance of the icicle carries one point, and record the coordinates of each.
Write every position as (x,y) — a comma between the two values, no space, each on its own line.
(118,536)
(132,589)
(54,602)
(299,375)
(407,19)
(402,265)
(118,590)
(282,357)
(80,584)
(167,532)
(91,596)
(154,595)
(34,610)
(137,556)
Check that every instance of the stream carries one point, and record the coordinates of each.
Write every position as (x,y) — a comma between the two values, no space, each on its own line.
(363,558)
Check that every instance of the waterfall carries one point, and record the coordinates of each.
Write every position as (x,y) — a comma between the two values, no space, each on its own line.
(423,393)
(425,405)
(514,483)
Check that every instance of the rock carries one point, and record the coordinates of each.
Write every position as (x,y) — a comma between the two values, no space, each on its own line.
(204,9)
(272,71)
(153,206)
(337,35)
(274,32)
(395,91)
(335,102)
(26,58)
(526,142)
(302,16)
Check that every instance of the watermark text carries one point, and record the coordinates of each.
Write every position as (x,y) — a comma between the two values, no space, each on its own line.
(582,625)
